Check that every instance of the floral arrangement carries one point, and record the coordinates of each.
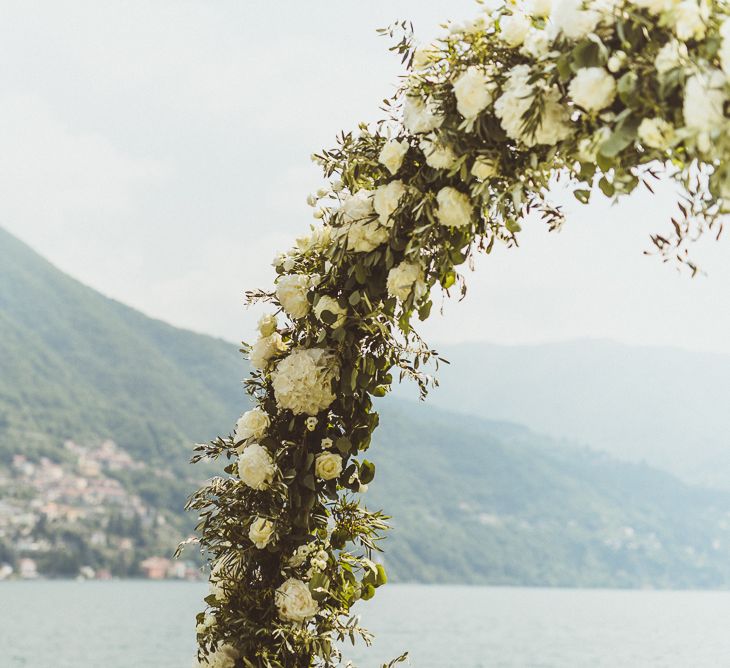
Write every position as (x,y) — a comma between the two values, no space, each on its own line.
(604,94)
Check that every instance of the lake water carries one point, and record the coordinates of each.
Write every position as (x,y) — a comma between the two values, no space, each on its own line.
(150,625)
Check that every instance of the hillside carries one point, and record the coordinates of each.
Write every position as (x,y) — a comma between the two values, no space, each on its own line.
(487,502)
(665,406)
(74,364)
(100,405)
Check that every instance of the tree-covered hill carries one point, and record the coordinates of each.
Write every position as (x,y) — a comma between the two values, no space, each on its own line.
(74,364)
(471,500)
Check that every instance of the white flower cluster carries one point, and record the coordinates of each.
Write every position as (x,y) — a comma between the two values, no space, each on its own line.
(404,279)
(256,468)
(360,226)
(303,380)
(294,601)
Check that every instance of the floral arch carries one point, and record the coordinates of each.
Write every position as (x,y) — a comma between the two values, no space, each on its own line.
(607,94)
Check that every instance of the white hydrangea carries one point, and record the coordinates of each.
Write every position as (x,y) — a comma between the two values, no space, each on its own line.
(392,154)
(704,99)
(513,28)
(252,424)
(260,532)
(267,324)
(330,304)
(536,44)
(223,656)
(328,465)
(656,133)
(473,92)
(256,468)
(670,56)
(454,207)
(303,380)
(438,155)
(404,278)
(420,116)
(291,291)
(592,88)
(571,19)
(484,168)
(294,601)
(264,349)
(688,20)
(358,207)
(517,97)
(387,199)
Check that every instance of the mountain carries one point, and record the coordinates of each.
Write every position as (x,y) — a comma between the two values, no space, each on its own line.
(494,503)
(665,406)
(74,364)
(100,405)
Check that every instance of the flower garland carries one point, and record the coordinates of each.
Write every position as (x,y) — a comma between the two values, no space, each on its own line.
(602,93)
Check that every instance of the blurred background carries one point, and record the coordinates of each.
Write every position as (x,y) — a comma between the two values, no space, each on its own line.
(574,464)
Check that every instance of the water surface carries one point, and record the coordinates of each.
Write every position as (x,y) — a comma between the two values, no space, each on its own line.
(150,625)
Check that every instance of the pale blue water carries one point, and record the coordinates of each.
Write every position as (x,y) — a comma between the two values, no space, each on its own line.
(150,625)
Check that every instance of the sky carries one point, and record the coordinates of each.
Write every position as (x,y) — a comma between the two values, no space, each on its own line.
(159,152)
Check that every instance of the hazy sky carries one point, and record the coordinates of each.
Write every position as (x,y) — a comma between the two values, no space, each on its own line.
(159,152)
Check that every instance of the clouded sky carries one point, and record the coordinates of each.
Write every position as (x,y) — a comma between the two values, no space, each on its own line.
(159,152)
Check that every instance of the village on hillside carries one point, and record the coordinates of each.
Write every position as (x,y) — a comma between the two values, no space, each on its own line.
(75,517)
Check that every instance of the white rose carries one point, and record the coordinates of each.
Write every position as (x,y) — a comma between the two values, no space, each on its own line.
(328,465)
(704,100)
(267,324)
(537,43)
(438,156)
(592,88)
(255,466)
(454,207)
(260,532)
(517,97)
(513,28)
(688,23)
(656,133)
(539,8)
(670,56)
(223,656)
(365,237)
(264,349)
(294,601)
(403,278)
(327,443)
(303,380)
(473,92)
(330,304)
(357,207)
(252,424)
(570,19)
(392,154)
(484,168)
(387,199)
(420,116)
(291,291)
